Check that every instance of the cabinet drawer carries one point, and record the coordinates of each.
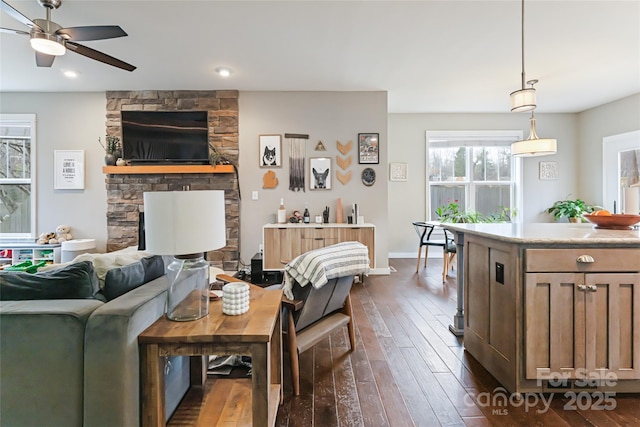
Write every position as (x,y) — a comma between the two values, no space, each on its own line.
(566,260)
(318,233)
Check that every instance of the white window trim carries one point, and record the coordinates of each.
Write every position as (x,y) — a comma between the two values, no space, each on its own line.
(31,119)
(444,138)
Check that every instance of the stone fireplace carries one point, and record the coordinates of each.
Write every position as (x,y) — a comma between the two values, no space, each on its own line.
(126,184)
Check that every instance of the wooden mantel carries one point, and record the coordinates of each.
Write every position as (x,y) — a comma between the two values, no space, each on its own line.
(164,169)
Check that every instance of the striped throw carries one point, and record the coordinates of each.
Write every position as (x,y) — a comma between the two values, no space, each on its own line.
(320,265)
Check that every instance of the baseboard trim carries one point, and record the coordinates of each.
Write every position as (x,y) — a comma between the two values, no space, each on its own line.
(414,255)
(385,271)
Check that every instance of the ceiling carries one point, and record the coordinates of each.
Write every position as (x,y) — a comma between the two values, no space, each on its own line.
(430,56)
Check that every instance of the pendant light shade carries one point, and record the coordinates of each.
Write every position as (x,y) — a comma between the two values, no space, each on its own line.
(533,146)
(523,99)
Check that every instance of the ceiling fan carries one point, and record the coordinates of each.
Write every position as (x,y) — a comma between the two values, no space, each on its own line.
(49,39)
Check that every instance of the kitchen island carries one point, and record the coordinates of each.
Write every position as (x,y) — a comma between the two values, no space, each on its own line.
(553,305)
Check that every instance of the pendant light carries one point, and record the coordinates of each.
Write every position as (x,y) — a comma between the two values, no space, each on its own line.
(533,146)
(524,99)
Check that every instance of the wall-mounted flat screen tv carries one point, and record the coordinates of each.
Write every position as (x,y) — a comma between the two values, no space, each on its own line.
(165,137)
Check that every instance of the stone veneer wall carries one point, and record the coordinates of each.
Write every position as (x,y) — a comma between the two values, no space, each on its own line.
(124,191)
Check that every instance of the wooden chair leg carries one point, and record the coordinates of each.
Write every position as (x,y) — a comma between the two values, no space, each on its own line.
(426,255)
(293,353)
(445,264)
(350,326)
(419,256)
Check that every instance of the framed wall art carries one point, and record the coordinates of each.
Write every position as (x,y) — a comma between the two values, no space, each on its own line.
(548,171)
(320,173)
(398,171)
(68,169)
(270,151)
(368,148)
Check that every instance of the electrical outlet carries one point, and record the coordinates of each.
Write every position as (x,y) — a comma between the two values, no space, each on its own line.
(254,195)
(260,248)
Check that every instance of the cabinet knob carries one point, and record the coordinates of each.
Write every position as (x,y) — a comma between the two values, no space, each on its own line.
(585,259)
(592,288)
(582,287)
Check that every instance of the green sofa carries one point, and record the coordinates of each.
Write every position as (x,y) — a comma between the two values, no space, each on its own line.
(75,362)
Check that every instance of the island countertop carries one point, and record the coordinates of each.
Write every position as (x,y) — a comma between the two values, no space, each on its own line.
(550,233)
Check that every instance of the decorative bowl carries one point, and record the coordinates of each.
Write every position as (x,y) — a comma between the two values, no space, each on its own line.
(613,222)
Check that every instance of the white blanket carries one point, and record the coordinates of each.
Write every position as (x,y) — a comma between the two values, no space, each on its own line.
(320,265)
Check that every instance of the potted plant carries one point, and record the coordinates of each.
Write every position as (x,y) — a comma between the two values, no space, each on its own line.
(451,212)
(571,209)
(112,149)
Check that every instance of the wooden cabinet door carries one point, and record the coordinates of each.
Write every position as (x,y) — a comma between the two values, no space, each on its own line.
(281,245)
(613,324)
(364,235)
(554,325)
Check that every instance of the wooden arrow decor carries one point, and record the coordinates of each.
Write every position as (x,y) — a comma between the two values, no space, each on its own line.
(344,148)
(344,164)
(344,179)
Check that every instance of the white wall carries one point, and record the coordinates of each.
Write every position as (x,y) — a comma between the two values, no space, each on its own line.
(74,121)
(67,121)
(606,120)
(326,117)
(407,143)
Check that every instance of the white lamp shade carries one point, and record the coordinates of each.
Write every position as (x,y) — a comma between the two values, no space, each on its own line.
(534,147)
(184,222)
(523,100)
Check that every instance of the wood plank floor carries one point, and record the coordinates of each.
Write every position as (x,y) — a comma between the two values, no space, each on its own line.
(408,369)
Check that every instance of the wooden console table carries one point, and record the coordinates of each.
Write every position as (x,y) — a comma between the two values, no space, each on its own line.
(216,402)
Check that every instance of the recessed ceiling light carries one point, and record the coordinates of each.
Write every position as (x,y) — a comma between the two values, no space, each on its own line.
(223,72)
(71,74)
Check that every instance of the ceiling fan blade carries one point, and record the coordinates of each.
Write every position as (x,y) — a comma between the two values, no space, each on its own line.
(44,60)
(9,10)
(94,32)
(10,30)
(99,56)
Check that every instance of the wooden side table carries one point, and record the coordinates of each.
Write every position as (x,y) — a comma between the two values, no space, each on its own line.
(212,402)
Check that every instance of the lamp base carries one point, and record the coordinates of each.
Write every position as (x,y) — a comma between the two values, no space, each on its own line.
(188,293)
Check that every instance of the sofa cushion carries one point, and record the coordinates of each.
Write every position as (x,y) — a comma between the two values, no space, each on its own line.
(73,281)
(121,280)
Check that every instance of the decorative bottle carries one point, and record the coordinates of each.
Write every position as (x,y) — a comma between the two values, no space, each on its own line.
(306,218)
(282,213)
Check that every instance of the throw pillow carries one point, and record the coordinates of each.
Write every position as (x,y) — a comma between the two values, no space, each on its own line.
(104,262)
(120,280)
(74,281)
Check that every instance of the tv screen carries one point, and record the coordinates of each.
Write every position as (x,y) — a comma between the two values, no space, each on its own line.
(165,136)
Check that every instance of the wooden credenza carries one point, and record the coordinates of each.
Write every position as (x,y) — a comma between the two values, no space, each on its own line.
(284,242)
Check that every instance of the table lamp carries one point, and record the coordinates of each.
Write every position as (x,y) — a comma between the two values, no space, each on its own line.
(185,224)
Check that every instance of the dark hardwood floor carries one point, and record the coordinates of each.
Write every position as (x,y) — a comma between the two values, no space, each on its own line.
(408,369)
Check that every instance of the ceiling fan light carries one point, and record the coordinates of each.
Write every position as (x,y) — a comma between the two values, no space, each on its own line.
(48,44)
(523,100)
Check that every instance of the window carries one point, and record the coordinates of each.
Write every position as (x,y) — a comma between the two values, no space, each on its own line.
(473,168)
(17,166)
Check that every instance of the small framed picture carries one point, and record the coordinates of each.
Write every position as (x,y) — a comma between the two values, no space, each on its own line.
(320,173)
(398,171)
(368,148)
(68,169)
(270,151)
(548,171)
